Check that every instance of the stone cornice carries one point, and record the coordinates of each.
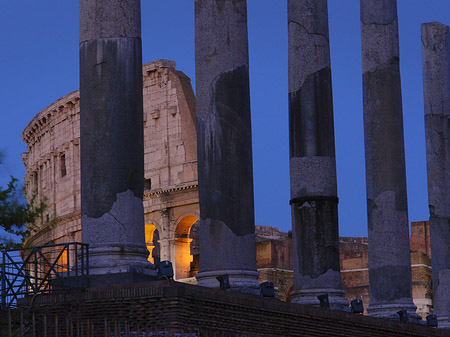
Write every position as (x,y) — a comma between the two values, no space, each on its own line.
(43,118)
(69,101)
(171,189)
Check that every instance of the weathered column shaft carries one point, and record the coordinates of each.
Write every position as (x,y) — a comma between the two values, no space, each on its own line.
(314,199)
(227,229)
(387,208)
(112,161)
(436,87)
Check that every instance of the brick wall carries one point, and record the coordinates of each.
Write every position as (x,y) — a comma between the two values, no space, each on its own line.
(174,305)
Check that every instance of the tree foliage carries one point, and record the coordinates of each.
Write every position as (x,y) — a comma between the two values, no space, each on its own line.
(16,217)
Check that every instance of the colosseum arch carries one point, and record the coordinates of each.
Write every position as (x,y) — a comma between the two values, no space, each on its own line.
(182,243)
(151,241)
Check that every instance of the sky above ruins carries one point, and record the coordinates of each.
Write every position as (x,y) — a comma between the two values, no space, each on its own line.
(39,64)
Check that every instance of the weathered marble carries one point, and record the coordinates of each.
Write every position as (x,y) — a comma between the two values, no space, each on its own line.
(436,87)
(312,157)
(112,162)
(389,258)
(227,230)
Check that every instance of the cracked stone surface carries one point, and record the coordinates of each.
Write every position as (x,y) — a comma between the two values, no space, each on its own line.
(389,258)
(436,86)
(312,154)
(111,131)
(109,19)
(227,224)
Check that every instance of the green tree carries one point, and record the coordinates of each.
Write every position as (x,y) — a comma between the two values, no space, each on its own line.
(17,218)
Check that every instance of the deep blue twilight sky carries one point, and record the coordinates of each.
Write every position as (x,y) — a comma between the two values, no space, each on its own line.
(39,64)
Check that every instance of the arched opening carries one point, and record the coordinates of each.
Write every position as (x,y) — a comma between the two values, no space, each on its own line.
(151,241)
(183,255)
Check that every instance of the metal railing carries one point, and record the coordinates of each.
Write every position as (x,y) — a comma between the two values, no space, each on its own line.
(33,325)
(42,269)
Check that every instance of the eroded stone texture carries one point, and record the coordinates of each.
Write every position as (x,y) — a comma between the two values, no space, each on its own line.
(436,87)
(389,259)
(111,114)
(312,156)
(227,243)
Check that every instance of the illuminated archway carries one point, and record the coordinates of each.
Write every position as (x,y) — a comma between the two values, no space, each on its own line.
(151,241)
(183,257)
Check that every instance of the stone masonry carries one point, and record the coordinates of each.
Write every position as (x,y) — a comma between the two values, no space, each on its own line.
(111,131)
(314,202)
(225,168)
(387,207)
(436,88)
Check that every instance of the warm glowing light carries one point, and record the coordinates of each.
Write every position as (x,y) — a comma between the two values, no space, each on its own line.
(183,257)
(149,233)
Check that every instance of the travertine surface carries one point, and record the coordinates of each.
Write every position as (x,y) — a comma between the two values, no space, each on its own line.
(224,145)
(436,86)
(387,208)
(312,156)
(170,155)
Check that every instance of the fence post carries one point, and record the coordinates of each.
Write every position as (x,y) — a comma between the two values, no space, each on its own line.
(68,264)
(21,324)
(45,325)
(9,324)
(87,260)
(33,319)
(3,306)
(56,326)
(35,270)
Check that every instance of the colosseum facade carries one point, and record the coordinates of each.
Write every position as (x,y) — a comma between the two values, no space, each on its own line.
(171,205)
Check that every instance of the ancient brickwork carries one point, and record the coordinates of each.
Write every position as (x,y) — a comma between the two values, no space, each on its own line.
(174,305)
(274,263)
(355,268)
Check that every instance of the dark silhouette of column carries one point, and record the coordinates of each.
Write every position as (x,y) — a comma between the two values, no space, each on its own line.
(314,199)
(227,229)
(112,163)
(387,208)
(436,89)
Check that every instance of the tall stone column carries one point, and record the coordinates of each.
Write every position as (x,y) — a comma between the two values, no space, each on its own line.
(227,224)
(314,201)
(112,163)
(387,208)
(436,87)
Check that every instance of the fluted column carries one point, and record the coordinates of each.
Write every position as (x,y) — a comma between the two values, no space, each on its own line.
(436,89)
(314,201)
(112,163)
(389,257)
(227,228)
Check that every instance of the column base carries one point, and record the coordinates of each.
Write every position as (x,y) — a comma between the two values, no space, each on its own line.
(389,311)
(444,322)
(242,281)
(119,258)
(309,297)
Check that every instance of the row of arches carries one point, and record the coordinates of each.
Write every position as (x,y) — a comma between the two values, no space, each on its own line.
(179,246)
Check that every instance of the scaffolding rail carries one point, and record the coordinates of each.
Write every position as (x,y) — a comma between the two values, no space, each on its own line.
(42,269)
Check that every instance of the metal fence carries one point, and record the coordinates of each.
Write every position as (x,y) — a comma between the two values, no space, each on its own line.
(42,269)
(31,325)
